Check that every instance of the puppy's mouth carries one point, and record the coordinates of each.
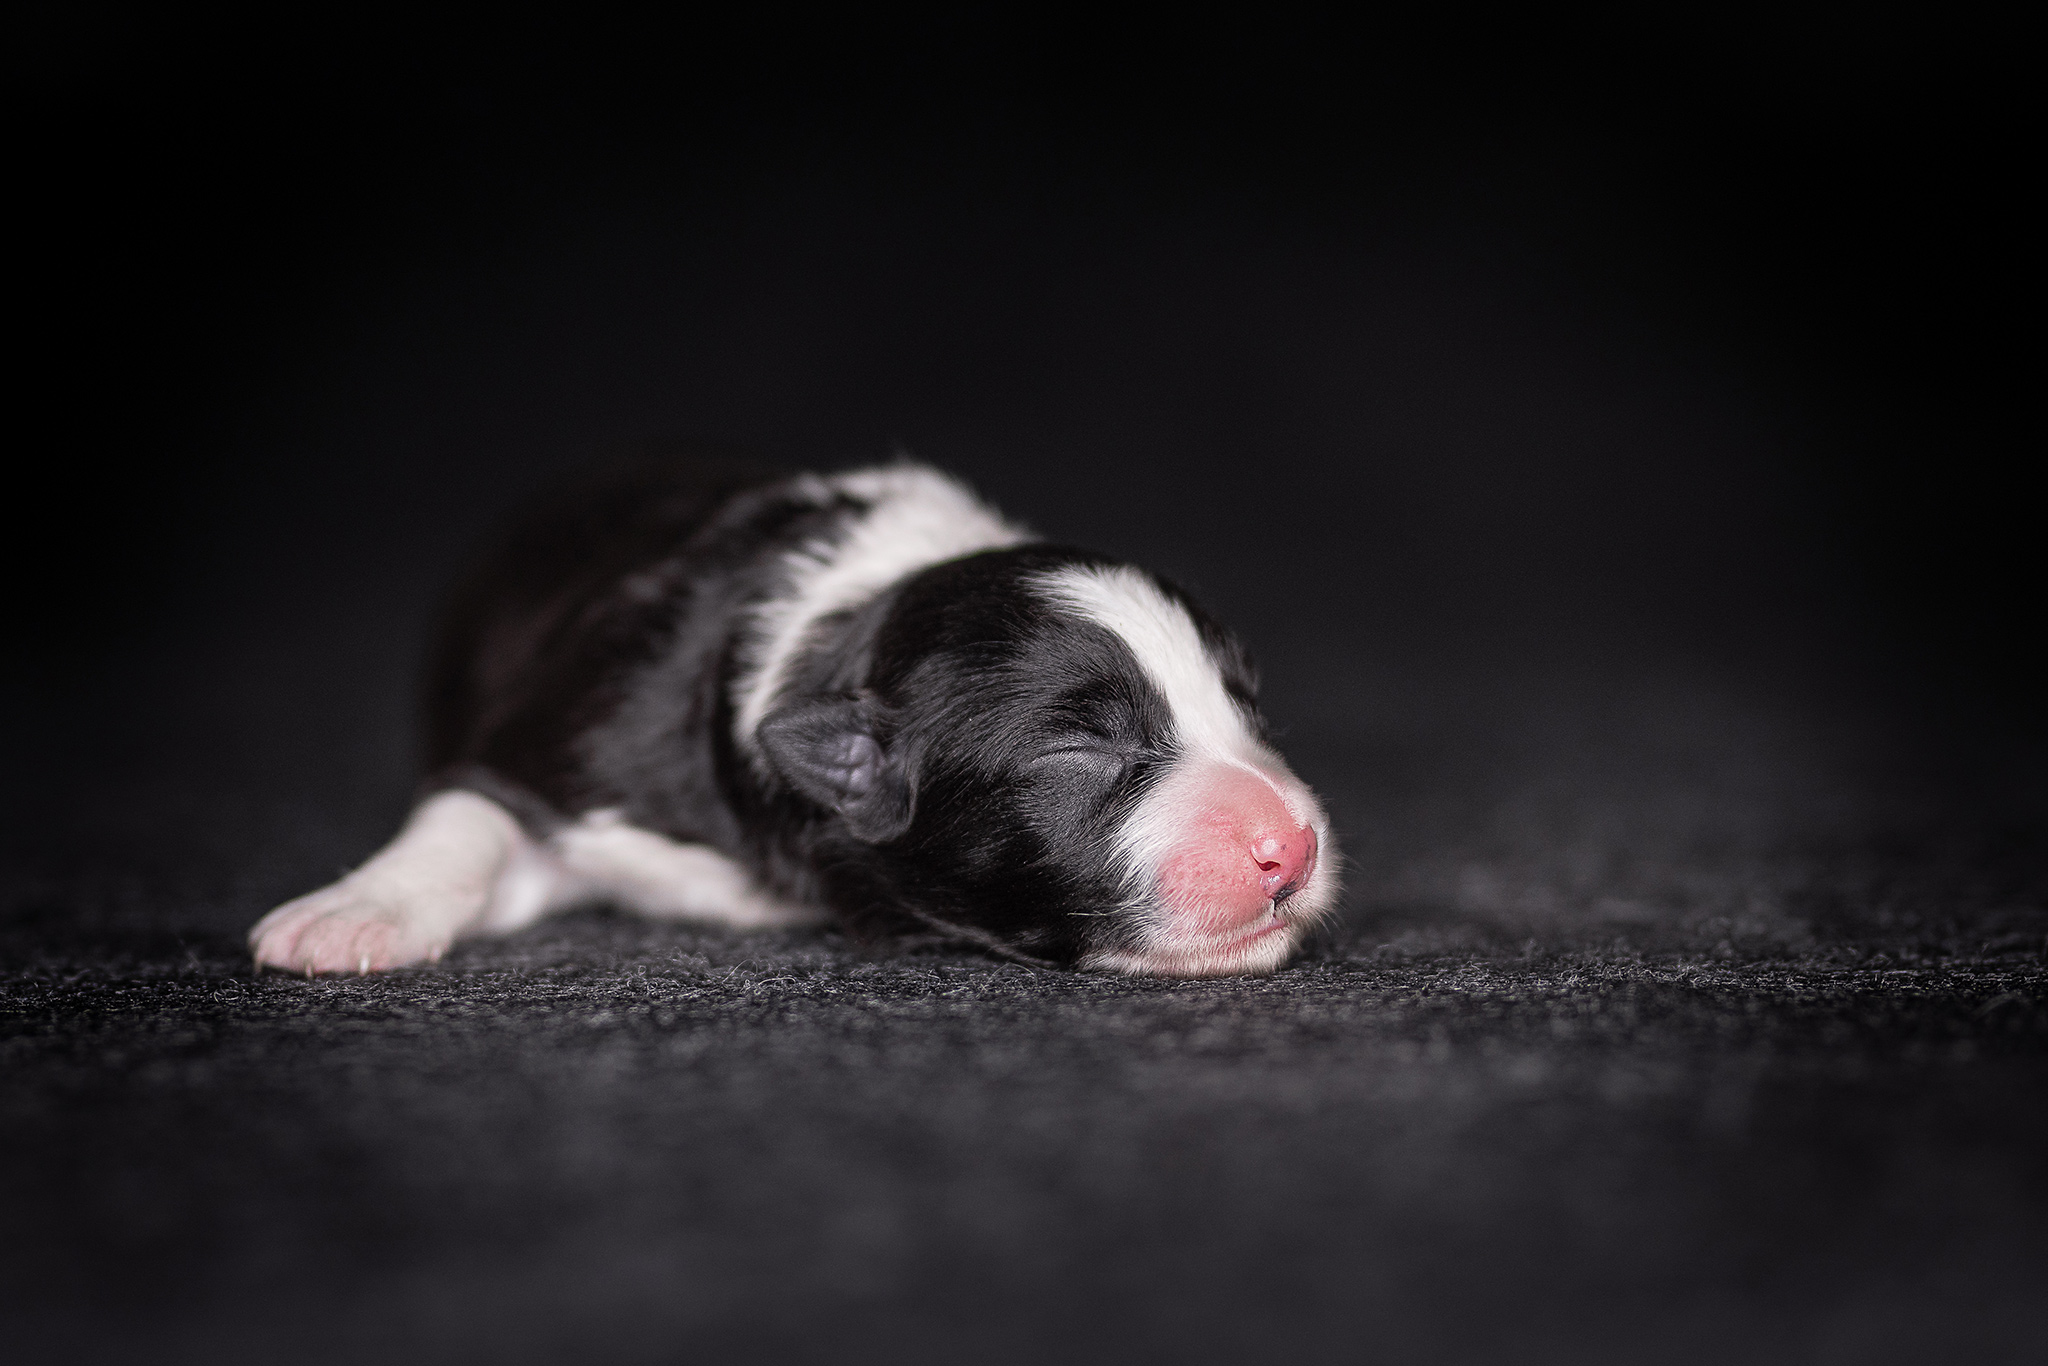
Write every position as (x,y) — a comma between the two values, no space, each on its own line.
(1259,947)
(1274,921)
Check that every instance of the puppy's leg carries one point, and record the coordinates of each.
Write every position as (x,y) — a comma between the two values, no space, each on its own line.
(408,902)
(605,856)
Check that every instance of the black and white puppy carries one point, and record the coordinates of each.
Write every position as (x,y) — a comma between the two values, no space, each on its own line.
(863,695)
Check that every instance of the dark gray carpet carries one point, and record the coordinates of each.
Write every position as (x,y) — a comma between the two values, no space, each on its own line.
(1661,1025)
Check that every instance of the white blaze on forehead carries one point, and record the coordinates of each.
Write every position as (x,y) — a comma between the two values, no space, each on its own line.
(915,518)
(1170,650)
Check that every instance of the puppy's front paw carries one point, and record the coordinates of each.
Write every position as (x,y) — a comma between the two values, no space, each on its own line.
(348,928)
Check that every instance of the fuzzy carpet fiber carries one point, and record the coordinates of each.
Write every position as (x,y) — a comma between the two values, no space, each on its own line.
(1660,1025)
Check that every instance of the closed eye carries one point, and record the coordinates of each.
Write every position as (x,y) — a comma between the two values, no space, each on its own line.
(1103,757)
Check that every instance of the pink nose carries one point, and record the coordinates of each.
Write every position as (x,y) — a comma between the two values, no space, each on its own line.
(1241,848)
(1286,858)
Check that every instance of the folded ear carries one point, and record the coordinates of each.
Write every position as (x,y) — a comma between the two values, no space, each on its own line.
(826,749)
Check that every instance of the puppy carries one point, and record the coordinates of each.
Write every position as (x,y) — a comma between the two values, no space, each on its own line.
(863,695)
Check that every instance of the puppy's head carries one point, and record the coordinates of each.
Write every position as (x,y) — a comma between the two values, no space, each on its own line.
(1062,756)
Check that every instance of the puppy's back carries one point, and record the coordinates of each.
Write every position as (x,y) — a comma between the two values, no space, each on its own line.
(569,592)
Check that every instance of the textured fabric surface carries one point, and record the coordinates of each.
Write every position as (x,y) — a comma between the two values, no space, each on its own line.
(1658,1023)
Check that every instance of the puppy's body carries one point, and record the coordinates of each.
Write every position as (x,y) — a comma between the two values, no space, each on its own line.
(864,695)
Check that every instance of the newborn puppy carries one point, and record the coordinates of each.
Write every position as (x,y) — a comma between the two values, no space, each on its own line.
(862,695)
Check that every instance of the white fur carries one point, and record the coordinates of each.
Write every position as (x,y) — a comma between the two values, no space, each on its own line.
(916,518)
(656,876)
(1189,956)
(463,866)
(1212,730)
(408,902)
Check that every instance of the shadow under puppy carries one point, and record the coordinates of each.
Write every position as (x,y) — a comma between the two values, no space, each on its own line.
(864,695)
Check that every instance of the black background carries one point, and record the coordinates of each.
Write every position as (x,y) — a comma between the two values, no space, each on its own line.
(1683,334)
(1609,433)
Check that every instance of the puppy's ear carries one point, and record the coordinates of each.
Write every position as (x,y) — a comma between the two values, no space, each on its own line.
(826,748)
